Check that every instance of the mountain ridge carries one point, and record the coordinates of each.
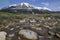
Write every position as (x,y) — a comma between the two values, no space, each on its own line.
(29,5)
(26,8)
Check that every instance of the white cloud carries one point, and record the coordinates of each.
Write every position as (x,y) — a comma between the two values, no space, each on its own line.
(45,3)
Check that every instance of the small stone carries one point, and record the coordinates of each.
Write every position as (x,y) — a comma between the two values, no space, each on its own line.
(12,29)
(11,35)
(58,35)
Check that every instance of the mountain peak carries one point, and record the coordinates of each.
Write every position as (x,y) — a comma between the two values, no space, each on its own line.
(26,4)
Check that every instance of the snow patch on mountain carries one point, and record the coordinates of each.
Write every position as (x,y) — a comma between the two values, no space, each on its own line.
(26,4)
(38,7)
(45,8)
(13,5)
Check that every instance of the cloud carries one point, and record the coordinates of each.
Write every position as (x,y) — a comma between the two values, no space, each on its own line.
(45,3)
(58,7)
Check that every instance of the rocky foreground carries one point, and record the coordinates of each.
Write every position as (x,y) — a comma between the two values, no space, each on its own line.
(45,28)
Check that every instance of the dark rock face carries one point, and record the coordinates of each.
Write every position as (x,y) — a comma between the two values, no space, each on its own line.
(25,11)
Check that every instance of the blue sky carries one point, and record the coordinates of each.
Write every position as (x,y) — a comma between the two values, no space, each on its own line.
(52,4)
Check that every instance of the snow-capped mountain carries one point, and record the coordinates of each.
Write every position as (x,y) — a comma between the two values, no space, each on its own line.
(22,6)
(25,7)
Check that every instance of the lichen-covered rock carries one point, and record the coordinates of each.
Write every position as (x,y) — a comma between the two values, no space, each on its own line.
(3,35)
(28,35)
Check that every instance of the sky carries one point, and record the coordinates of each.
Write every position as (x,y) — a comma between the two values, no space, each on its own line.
(52,4)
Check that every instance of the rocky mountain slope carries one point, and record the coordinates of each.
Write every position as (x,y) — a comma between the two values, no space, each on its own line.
(25,8)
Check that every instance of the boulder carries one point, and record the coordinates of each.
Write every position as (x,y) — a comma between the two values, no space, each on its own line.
(28,35)
(3,35)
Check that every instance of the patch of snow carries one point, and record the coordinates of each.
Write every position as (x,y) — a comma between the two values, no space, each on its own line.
(38,7)
(27,4)
(13,5)
(45,8)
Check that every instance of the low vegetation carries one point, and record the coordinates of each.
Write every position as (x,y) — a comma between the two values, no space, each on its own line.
(6,18)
